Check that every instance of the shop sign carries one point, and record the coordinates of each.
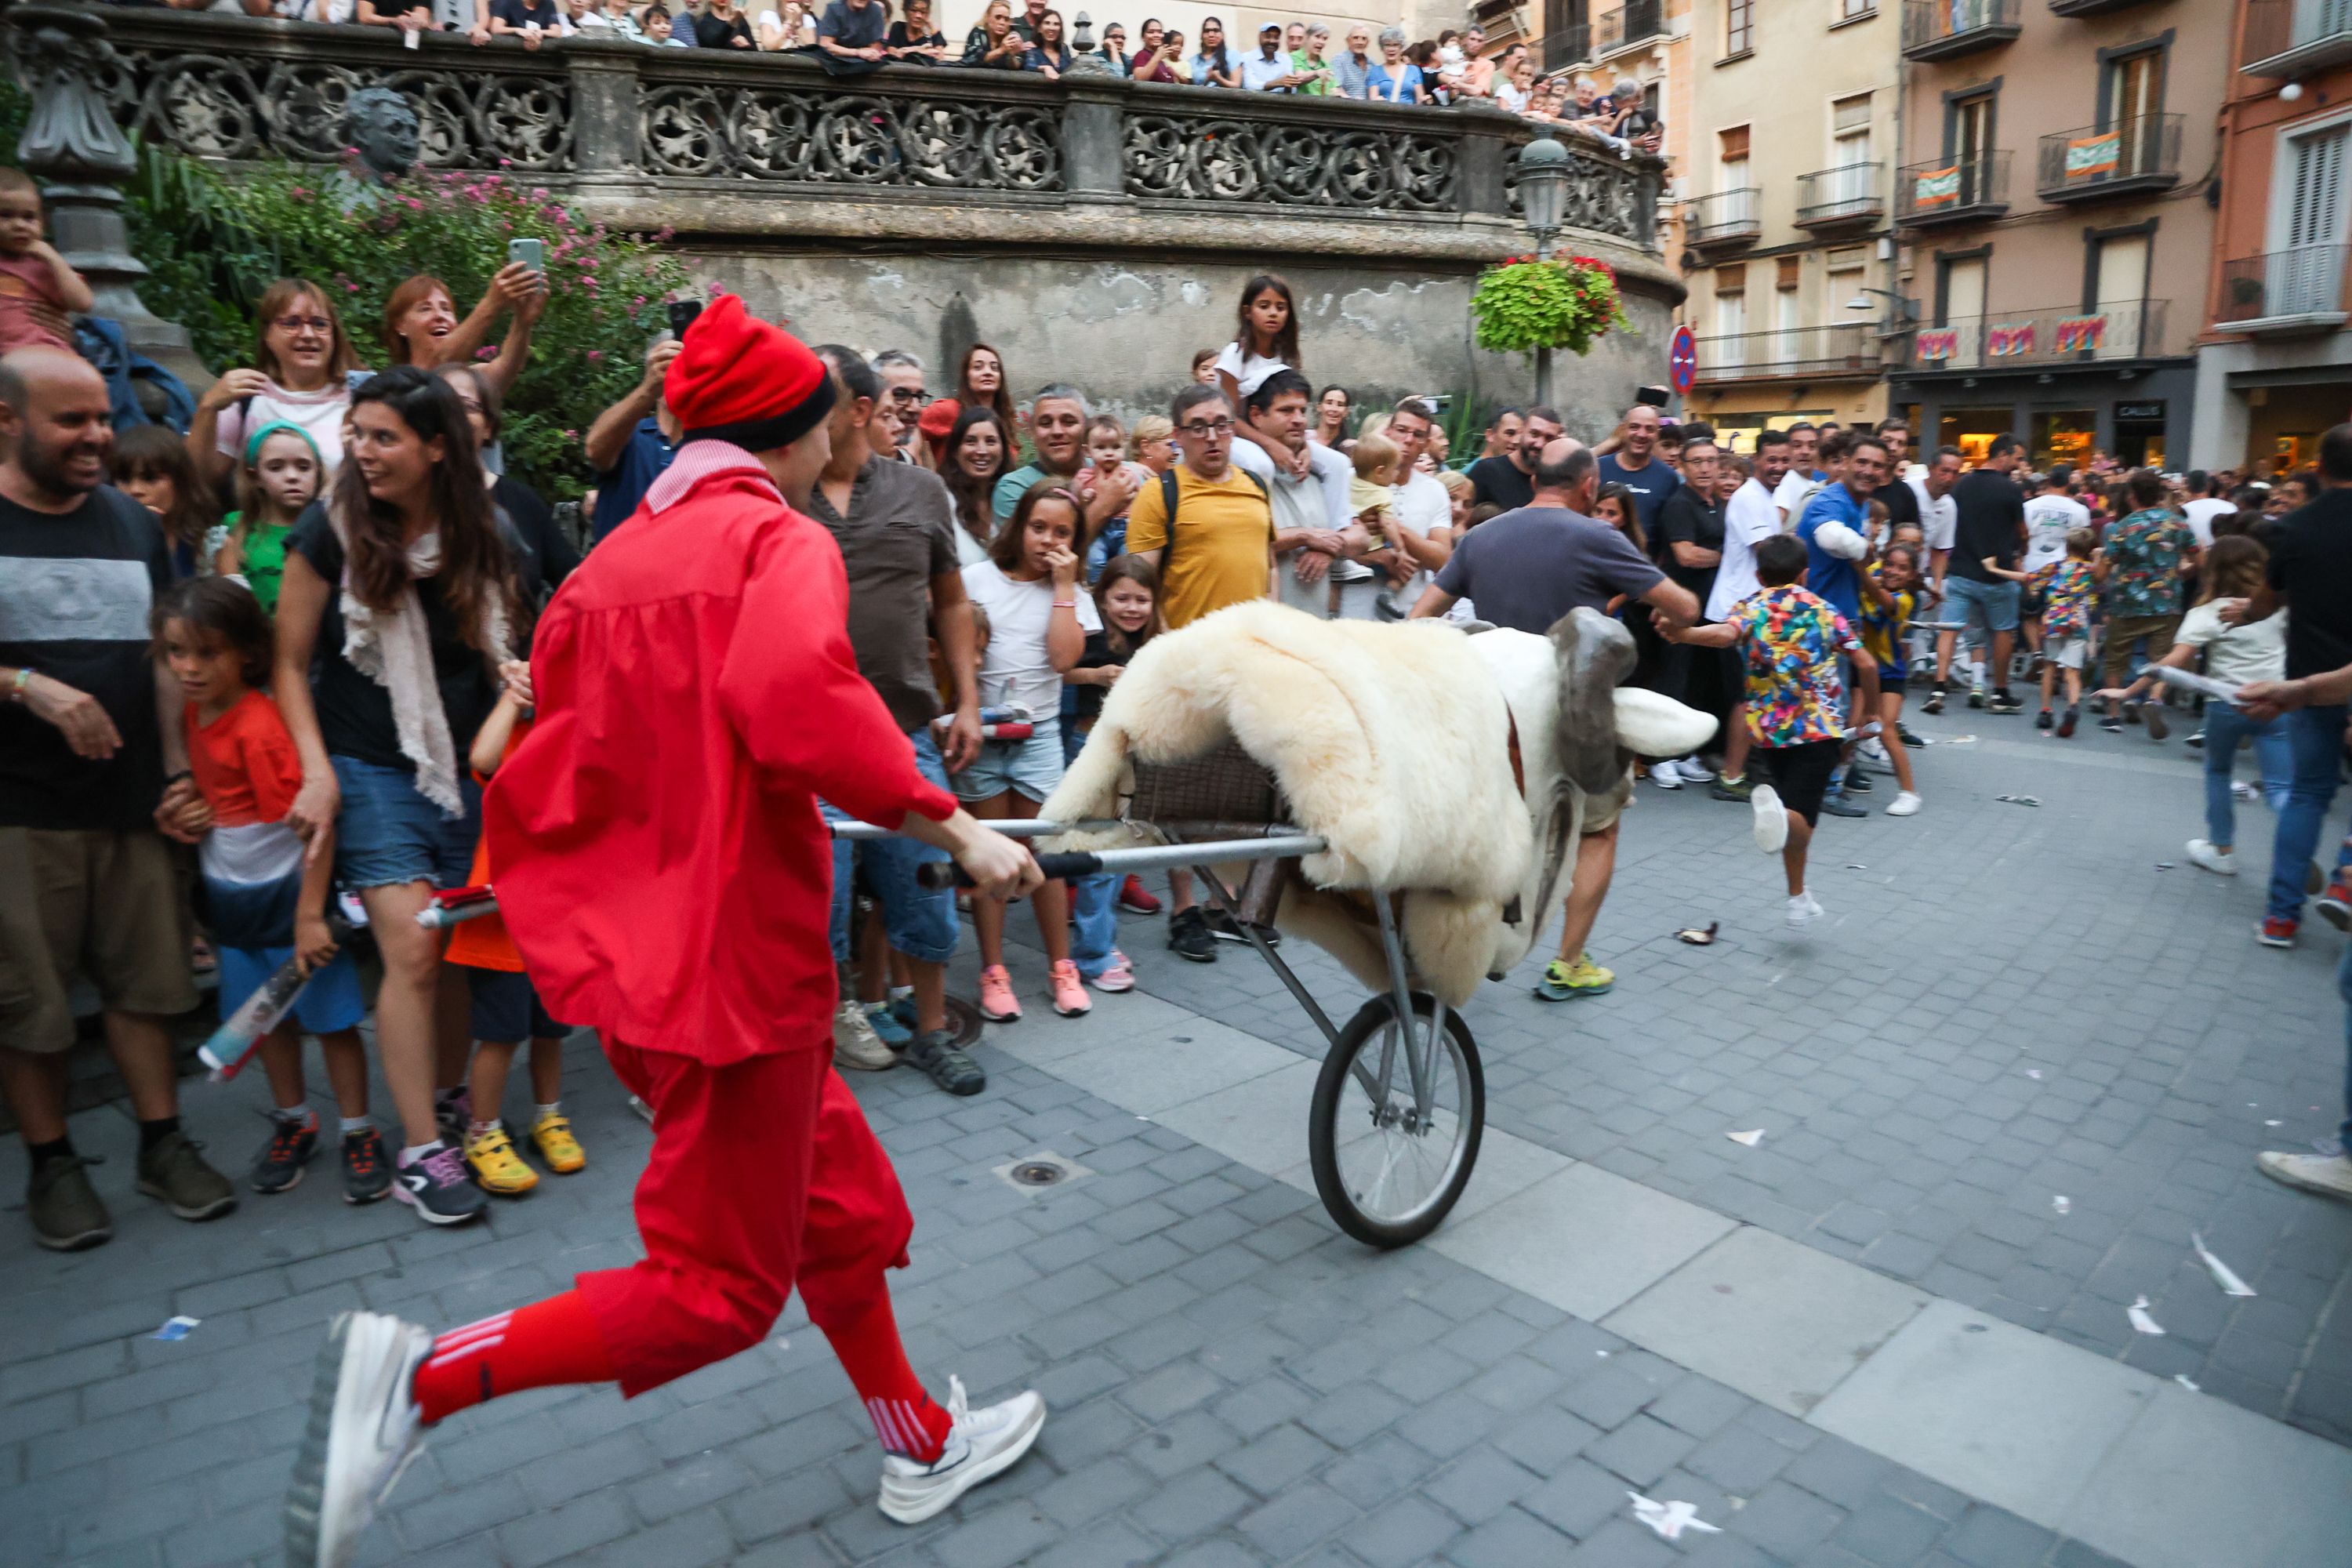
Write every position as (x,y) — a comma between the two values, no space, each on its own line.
(2089,155)
(1937,187)
(2010,341)
(1941,343)
(2151,411)
(2081,334)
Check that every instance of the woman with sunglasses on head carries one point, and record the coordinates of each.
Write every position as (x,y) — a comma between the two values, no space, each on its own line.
(302,364)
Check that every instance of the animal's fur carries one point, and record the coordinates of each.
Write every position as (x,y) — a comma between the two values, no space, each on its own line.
(1392,743)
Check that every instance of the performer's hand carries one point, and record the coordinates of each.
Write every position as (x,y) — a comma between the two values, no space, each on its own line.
(999,867)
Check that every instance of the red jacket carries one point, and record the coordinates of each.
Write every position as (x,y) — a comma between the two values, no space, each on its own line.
(655,841)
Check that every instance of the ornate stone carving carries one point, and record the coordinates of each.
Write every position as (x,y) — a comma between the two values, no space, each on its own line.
(381,124)
(213,105)
(66,61)
(1212,158)
(1604,195)
(851,139)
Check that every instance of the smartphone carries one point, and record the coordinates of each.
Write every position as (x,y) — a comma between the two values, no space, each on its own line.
(682,313)
(1655,396)
(531,253)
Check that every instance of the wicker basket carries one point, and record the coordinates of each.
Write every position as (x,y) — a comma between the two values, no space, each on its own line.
(1225,786)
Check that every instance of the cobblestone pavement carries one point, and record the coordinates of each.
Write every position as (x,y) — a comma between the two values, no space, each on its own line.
(1232,1382)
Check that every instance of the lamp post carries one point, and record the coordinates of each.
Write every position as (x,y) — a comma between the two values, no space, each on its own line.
(1543,192)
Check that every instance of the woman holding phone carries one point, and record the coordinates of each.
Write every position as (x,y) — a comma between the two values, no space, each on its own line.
(421,325)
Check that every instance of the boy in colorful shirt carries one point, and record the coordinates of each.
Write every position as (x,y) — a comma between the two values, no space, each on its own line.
(1792,644)
(2141,563)
(2069,590)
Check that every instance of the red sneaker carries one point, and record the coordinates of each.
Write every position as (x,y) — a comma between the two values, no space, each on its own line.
(2335,904)
(2276,933)
(1135,898)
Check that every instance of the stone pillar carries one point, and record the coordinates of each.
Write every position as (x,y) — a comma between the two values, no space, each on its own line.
(1490,139)
(1093,131)
(72,146)
(608,122)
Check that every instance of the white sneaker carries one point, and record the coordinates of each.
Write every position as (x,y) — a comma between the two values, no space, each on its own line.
(362,1432)
(1905,803)
(2330,1175)
(1666,776)
(856,1047)
(1349,572)
(2220,862)
(1802,912)
(1771,818)
(1693,771)
(1872,754)
(981,1442)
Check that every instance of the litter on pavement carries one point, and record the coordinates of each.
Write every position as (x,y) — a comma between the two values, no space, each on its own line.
(2034,1073)
(1698,936)
(1750,1139)
(1670,1519)
(2182,1379)
(2222,1276)
(2018,799)
(2138,1312)
(2063,1204)
(179,1329)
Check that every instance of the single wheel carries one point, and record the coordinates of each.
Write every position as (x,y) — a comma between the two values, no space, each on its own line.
(1387,1172)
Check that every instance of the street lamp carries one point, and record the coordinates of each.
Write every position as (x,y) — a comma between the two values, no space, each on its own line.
(1543,192)
(1905,316)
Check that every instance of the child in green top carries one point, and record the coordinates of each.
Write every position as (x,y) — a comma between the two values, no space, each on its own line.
(282,475)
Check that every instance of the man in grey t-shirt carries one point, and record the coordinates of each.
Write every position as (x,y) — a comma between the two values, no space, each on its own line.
(1527,569)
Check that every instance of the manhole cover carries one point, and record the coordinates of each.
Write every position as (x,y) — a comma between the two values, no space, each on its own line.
(1045,1168)
(1037,1173)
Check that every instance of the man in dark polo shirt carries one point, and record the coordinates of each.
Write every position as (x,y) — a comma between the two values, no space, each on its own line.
(89,731)
(1526,570)
(892,520)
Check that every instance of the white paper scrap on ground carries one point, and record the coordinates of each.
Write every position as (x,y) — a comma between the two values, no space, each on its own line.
(1670,1519)
(2034,1073)
(2182,1379)
(1751,1137)
(179,1328)
(2063,1204)
(2274,1121)
(2230,1284)
(2137,1312)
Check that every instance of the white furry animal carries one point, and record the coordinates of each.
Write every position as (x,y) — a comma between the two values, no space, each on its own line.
(1392,743)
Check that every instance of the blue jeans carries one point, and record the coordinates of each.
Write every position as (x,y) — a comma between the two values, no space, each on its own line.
(1097,922)
(387,832)
(2317,737)
(919,923)
(2344,989)
(2274,759)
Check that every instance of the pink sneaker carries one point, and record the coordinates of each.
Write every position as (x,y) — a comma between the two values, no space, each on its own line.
(1069,991)
(996,1003)
(1118,976)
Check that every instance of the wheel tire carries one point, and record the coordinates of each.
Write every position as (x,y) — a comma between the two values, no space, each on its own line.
(1323,1126)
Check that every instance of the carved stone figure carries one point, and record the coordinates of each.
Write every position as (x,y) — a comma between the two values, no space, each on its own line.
(383,126)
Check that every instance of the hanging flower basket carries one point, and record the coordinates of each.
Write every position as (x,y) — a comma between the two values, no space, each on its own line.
(1523,304)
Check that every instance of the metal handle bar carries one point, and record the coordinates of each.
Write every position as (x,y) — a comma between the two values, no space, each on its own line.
(1151,858)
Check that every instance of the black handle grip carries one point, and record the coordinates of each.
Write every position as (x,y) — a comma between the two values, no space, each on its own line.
(935,875)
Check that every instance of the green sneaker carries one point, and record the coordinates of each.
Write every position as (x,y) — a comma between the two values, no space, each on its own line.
(68,1213)
(1565,982)
(1733,790)
(174,1171)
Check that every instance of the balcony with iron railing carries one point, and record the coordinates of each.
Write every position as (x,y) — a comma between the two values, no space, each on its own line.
(2299,290)
(1847,195)
(2041,339)
(1723,220)
(2129,158)
(1565,46)
(1634,22)
(2295,37)
(1847,350)
(1946,29)
(1952,190)
(2091,7)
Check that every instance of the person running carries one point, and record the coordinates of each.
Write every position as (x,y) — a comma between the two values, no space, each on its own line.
(1792,642)
(662,864)
(2066,590)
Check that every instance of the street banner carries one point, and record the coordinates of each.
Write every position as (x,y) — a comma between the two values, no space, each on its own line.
(2011,341)
(2089,155)
(2081,334)
(1937,187)
(1939,343)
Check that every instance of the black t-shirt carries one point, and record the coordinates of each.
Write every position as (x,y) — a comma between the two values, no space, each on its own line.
(522,13)
(714,33)
(1651,483)
(553,557)
(1096,655)
(1901,502)
(1497,482)
(1989,519)
(76,592)
(1688,520)
(354,712)
(2311,563)
(854,28)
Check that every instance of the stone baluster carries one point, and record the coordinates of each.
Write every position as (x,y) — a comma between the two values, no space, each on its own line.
(607,113)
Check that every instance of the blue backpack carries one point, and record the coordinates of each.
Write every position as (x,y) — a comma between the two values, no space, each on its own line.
(101,343)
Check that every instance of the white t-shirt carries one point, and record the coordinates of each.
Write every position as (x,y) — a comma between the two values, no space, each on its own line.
(2255,651)
(1748,519)
(2048,519)
(1797,486)
(1422,504)
(1246,372)
(1939,516)
(1015,668)
(321,415)
(2201,513)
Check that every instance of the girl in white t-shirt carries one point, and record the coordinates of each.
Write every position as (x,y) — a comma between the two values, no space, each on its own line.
(1039,619)
(2234,569)
(1265,341)
(303,364)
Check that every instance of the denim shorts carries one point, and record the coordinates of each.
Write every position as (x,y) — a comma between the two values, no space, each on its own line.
(1033,766)
(919,922)
(1992,606)
(331,1001)
(388,832)
(507,1008)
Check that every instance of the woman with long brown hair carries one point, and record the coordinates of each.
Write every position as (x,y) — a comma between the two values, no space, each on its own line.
(979,453)
(300,376)
(421,325)
(404,587)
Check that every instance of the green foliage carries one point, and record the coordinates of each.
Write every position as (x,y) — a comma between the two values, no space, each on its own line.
(216,242)
(1564,304)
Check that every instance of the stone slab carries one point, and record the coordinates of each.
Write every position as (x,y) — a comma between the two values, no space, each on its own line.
(1261,1124)
(1583,1240)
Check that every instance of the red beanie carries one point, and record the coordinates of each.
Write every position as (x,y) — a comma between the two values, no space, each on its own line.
(739,379)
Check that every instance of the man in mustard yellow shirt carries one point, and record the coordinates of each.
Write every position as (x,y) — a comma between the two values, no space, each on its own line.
(1219,550)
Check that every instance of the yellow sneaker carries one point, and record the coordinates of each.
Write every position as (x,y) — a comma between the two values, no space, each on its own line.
(560,1151)
(1564,981)
(497,1165)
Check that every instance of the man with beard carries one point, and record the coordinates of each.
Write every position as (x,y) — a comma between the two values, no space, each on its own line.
(1508,478)
(1319,558)
(1057,428)
(91,757)
(1636,465)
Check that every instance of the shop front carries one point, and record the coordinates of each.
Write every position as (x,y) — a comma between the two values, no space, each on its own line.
(2139,416)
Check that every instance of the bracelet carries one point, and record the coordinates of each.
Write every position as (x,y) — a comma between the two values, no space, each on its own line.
(1065,604)
(176,778)
(20,684)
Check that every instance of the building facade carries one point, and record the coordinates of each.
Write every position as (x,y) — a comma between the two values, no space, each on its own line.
(1786,208)
(2053,209)
(2275,367)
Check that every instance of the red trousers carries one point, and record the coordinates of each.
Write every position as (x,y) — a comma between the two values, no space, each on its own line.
(764,1176)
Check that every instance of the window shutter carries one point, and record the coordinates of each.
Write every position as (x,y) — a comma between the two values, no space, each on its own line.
(1791,266)
(1735,145)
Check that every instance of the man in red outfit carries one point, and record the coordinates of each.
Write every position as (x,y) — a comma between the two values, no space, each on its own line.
(662,866)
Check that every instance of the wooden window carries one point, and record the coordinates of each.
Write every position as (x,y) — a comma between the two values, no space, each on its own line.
(1739,26)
